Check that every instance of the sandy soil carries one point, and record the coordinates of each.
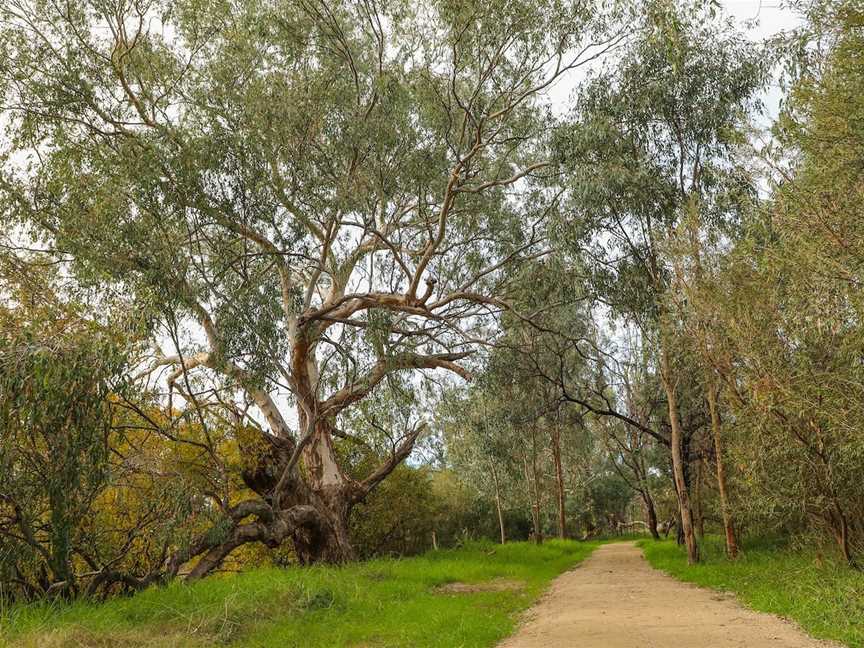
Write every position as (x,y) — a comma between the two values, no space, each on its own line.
(616,600)
(495,585)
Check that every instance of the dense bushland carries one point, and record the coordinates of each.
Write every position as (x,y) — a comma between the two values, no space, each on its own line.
(297,282)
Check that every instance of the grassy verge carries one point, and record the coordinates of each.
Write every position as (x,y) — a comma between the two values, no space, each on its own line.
(825,598)
(377,603)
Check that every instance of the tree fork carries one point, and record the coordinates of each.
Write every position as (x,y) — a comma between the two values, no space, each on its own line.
(650,513)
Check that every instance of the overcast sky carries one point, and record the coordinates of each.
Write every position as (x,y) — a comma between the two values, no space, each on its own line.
(768,15)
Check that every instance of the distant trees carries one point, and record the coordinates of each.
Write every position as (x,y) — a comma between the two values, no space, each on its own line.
(718,326)
(481,448)
(516,437)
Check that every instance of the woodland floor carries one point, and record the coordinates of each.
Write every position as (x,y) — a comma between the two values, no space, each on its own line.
(614,599)
(470,597)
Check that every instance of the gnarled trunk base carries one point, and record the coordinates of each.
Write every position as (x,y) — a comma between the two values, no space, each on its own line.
(329,541)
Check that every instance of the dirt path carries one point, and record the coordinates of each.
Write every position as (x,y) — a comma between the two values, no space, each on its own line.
(616,600)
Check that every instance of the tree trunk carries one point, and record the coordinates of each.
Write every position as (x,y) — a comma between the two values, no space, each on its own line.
(498,501)
(728,522)
(330,492)
(60,546)
(303,494)
(307,502)
(327,495)
(668,527)
(698,504)
(650,513)
(840,525)
(559,480)
(535,502)
(843,542)
(678,458)
(329,541)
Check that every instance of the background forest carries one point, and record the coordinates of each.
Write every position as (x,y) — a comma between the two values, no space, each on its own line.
(290,282)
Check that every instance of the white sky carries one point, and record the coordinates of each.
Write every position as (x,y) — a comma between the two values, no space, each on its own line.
(769,16)
(763,19)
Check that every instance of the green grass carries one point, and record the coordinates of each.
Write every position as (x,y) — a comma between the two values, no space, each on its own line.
(825,598)
(370,604)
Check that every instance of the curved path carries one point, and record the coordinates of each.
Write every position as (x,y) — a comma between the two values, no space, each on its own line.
(616,600)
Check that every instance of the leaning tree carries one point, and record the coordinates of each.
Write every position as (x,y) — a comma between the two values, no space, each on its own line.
(308,198)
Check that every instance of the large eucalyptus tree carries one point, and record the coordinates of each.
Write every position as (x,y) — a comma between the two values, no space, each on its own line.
(307,197)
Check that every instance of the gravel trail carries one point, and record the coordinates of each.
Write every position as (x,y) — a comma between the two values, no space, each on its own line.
(615,599)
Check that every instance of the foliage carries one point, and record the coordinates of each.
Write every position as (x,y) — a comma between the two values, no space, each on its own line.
(311,203)
(60,377)
(785,310)
(85,506)
(399,517)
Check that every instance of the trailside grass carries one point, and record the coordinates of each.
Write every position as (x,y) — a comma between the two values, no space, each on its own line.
(824,597)
(385,602)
